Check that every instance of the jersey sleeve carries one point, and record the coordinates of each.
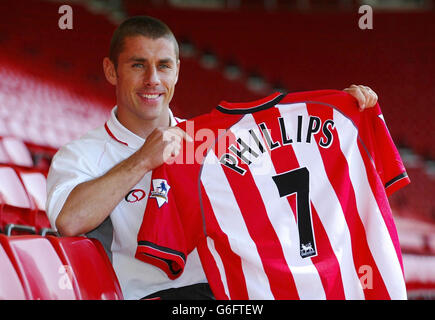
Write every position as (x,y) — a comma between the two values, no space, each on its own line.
(384,153)
(169,229)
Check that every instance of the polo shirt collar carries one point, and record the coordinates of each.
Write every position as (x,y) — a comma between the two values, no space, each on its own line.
(124,136)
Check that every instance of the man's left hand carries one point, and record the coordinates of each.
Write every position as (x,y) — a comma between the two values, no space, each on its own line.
(365,96)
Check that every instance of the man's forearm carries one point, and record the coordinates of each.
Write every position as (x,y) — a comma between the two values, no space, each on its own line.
(91,202)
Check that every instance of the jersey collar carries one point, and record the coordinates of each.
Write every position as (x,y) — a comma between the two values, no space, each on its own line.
(122,135)
(250,107)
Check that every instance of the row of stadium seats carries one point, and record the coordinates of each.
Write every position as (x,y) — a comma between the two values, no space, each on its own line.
(43,266)
(23,171)
(31,38)
(34,267)
(15,151)
(43,112)
(222,89)
(77,268)
(419,276)
(36,264)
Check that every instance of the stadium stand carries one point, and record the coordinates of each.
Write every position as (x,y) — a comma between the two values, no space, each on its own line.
(44,114)
(54,91)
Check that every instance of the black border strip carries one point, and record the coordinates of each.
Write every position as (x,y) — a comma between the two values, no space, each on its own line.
(399,177)
(170,263)
(164,249)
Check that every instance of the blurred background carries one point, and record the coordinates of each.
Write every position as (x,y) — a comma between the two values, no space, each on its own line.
(53,90)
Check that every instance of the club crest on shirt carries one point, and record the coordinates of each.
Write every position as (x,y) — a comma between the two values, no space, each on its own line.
(160,191)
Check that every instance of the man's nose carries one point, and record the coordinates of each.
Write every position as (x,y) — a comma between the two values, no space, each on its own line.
(151,77)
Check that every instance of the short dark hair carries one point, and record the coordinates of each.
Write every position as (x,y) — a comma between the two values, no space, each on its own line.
(139,26)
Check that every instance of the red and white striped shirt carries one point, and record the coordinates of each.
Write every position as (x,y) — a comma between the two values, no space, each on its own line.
(286,199)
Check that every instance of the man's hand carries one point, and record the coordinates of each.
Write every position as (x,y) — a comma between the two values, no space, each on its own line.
(163,145)
(365,96)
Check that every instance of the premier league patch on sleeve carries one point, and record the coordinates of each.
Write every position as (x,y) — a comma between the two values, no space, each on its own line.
(160,191)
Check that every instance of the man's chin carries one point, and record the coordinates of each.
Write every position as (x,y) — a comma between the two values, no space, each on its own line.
(151,112)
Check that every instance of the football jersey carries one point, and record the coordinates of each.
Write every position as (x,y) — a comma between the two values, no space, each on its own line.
(284,198)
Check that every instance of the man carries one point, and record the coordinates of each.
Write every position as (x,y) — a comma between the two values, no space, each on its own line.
(98,185)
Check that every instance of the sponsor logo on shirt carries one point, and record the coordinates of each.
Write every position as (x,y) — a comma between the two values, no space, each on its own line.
(135,195)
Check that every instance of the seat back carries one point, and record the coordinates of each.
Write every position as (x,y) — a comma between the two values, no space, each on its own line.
(36,185)
(43,274)
(15,205)
(11,189)
(22,198)
(17,151)
(92,272)
(10,284)
(4,158)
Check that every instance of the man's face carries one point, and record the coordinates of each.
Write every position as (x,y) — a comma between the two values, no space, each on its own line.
(147,72)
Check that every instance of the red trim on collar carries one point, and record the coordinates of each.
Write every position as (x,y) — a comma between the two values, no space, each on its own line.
(111,134)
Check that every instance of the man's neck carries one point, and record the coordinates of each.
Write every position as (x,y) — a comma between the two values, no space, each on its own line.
(143,127)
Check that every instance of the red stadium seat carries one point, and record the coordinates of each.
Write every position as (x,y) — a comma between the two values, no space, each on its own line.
(14,202)
(43,274)
(16,151)
(21,206)
(10,284)
(41,155)
(36,185)
(11,188)
(93,276)
(4,158)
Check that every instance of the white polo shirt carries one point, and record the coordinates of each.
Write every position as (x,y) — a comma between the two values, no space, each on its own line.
(90,157)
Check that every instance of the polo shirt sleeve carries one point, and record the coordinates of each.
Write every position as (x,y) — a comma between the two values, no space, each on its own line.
(69,168)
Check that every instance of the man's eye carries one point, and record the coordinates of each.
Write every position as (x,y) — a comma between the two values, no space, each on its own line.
(164,66)
(137,65)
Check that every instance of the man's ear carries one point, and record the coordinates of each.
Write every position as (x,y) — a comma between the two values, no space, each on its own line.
(178,70)
(110,71)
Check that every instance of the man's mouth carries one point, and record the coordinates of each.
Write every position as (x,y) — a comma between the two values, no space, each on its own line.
(150,96)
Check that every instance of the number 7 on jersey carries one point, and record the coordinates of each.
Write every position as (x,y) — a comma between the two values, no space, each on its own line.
(298,181)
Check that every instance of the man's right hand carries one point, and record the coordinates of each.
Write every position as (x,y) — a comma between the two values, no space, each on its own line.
(163,145)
